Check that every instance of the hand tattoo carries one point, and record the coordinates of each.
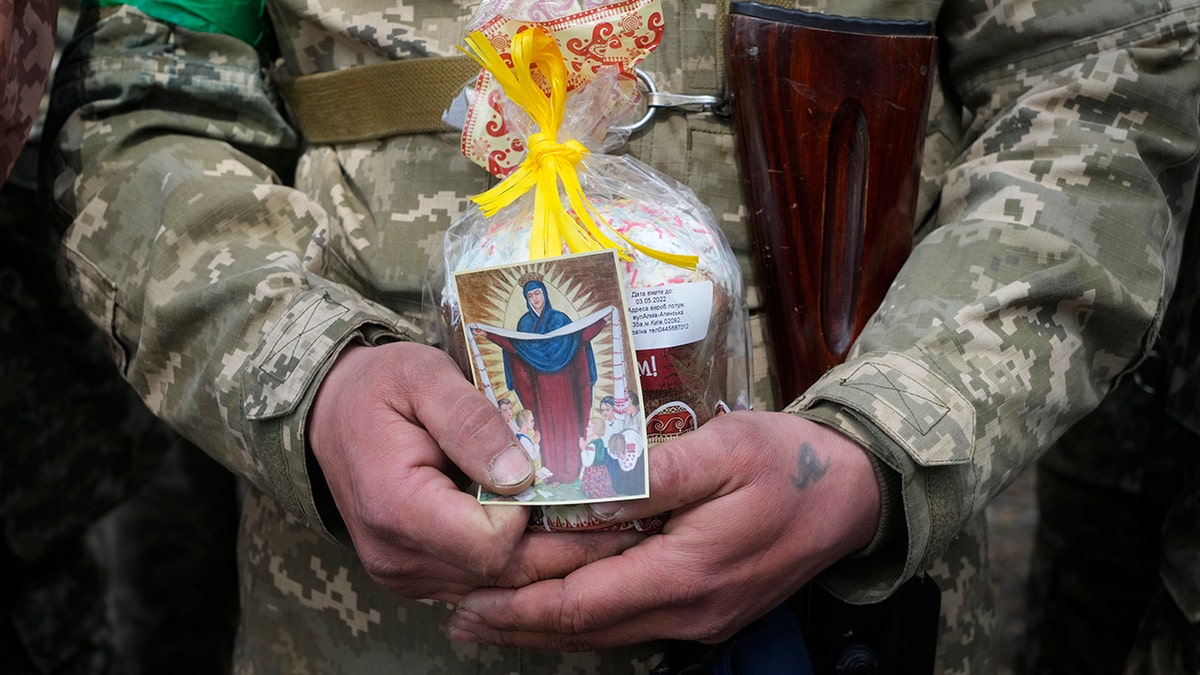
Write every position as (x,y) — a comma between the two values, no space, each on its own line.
(810,468)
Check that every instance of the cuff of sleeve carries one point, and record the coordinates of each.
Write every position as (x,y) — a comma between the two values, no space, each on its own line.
(326,517)
(919,432)
(891,514)
(875,572)
(281,382)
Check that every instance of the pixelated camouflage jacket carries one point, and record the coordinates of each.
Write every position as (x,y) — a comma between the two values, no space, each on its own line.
(1059,169)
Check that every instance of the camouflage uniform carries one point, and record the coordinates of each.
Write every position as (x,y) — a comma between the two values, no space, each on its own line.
(228,264)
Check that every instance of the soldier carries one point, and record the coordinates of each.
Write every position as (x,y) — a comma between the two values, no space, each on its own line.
(263,295)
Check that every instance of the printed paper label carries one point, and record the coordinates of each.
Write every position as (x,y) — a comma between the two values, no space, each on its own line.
(670,316)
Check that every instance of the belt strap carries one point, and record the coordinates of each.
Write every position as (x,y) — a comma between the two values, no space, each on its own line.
(361,103)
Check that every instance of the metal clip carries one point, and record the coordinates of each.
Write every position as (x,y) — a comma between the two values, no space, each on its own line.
(656,100)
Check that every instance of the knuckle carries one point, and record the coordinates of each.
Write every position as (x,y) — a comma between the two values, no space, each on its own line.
(573,643)
(745,429)
(415,369)
(380,566)
(478,423)
(492,568)
(380,546)
(491,560)
(668,466)
(375,520)
(516,576)
(749,440)
(574,620)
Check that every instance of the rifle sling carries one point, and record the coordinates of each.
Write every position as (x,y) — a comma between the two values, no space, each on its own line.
(361,103)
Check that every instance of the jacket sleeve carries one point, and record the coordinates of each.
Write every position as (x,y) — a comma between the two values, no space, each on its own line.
(1043,275)
(204,271)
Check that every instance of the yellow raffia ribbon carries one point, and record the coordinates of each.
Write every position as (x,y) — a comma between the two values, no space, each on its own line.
(548,163)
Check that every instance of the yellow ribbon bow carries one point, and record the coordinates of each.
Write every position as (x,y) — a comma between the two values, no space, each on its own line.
(548,163)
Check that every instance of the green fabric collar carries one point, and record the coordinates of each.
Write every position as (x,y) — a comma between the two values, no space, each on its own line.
(242,19)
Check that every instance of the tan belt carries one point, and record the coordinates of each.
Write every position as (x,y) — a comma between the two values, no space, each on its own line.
(395,98)
(362,103)
(409,96)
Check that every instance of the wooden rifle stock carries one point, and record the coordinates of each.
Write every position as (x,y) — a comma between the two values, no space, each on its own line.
(830,115)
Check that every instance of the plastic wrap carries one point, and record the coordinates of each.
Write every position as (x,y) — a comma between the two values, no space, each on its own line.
(682,284)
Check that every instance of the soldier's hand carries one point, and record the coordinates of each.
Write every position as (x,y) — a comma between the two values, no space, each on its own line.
(761,503)
(391,427)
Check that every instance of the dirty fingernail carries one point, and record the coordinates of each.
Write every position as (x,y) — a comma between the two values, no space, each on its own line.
(510,467)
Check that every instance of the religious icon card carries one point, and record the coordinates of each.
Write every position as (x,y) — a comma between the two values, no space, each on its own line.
(549,342)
